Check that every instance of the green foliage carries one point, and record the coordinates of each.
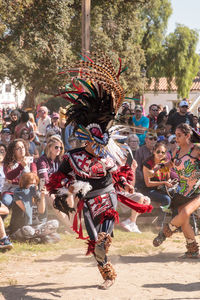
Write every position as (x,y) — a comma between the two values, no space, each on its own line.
(155,18)
(182,62)
(116,30)
(39,36)
(36,44)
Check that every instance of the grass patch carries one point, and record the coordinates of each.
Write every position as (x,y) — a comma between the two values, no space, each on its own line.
(124,243)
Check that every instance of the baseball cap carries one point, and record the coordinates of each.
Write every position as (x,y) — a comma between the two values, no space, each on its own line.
(171,138)
(138,107)
(183,103)
(5,130)
(55,115)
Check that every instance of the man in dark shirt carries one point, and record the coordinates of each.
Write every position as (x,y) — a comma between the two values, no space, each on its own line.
(142,154)
(180,117)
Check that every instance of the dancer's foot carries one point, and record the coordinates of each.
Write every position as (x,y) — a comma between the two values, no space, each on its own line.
(106,284)
(159,239)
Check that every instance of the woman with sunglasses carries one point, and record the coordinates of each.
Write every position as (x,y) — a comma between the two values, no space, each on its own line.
(47,164)
(156,177)
(17,160)
(186,163)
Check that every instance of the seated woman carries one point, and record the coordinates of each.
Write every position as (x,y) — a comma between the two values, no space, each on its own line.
(27,136)
(156,177)
(28,220)
(47,164)
(4,240)
(16,162)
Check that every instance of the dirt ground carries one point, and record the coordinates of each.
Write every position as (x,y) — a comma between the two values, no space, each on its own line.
(69,274)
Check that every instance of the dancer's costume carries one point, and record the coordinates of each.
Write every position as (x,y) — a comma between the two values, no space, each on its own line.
(188,169)
(96,98)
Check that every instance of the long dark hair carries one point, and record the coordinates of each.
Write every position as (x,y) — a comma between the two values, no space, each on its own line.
(187,129)
(9,157)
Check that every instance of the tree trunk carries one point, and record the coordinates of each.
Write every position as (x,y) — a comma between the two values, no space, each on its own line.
(29,101)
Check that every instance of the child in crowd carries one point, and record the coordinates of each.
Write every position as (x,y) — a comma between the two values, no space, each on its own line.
(29,219)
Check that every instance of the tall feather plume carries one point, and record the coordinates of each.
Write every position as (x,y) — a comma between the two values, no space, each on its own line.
(97,75)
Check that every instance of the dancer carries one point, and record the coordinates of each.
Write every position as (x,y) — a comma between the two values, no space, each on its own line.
(87,172)
(187,199)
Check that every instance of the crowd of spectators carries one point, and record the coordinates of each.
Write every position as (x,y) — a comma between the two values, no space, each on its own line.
(32,147)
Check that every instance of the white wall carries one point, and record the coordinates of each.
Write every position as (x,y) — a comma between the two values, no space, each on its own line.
(168,99)
(10,98)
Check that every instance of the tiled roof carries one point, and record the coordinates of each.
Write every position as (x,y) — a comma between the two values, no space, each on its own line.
(162,85)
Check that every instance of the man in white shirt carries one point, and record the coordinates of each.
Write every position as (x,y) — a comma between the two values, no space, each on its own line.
(44,121)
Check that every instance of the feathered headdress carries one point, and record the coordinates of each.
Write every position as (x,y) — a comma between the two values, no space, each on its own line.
(96,98)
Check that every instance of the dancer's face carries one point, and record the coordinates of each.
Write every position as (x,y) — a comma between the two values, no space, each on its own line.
(181,137)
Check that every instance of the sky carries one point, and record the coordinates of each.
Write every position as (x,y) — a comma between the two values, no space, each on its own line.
(185,12)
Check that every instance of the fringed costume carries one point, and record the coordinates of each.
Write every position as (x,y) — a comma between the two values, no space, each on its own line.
(87,172)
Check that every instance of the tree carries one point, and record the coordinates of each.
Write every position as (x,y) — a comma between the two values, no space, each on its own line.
(182,62)
(39,36)
(155,19)
(115,30)
(36,44)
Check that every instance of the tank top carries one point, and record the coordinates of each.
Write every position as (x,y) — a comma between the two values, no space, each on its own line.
(188,169)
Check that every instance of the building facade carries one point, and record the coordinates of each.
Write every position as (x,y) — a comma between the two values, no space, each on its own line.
(10,96)
(158,93)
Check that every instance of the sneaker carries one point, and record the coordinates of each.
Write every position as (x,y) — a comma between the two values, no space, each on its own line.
(126,224)
(134,228)
(5,243)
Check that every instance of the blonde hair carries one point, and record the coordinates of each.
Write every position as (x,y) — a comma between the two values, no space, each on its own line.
(51,141)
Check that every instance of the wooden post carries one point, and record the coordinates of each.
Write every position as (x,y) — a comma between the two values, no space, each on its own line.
(86,4)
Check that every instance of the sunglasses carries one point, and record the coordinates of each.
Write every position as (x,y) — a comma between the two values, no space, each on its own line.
(154,109)
(162,152)
(57,147)
(184,106)
(172,142)
(153,138)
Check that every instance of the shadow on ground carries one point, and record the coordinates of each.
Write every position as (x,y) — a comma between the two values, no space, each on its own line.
(135,259)
(176,287)
(20,292)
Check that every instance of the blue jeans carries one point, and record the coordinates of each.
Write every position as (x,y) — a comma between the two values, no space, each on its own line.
(7,199)
(157,196)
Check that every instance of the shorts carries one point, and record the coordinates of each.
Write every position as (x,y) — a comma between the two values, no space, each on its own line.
(179,200)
